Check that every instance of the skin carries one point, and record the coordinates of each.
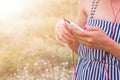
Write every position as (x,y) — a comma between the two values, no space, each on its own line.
(92,37)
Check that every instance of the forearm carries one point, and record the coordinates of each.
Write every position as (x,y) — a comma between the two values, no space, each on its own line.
(113,48)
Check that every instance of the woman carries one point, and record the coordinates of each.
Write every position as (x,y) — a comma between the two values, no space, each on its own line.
(99,44)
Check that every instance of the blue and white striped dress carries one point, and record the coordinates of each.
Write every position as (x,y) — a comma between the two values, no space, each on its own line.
(90,65)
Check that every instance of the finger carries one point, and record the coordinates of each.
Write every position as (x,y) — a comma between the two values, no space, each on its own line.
(65,24)
(67,27)
(56,29)
(69,38)
(88,45)
(85,42)
(67,32)
(93,29)
(57,35)
(77,32)
(59,41)
(62,37)
(85,39)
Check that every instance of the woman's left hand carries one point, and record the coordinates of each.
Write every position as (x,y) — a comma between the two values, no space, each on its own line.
(92,37)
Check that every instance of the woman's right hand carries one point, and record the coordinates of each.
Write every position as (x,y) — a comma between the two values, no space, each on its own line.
(63,35)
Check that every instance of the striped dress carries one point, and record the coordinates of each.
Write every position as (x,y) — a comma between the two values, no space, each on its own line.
(90,65)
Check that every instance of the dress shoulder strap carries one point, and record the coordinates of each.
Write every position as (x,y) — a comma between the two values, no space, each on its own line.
(93,8)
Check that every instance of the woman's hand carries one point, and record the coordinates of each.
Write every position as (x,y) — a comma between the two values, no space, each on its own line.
(63,36)
(92,37)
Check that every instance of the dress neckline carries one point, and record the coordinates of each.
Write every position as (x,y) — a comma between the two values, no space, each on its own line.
(94,19)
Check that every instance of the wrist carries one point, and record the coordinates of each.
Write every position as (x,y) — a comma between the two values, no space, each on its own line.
(110,45)
(113,48)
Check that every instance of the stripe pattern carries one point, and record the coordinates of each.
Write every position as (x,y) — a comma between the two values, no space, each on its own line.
(90,65)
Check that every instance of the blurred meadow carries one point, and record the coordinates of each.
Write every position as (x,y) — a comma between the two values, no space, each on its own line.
(28,49)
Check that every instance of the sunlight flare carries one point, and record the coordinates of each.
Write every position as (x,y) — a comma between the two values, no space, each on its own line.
(10,8)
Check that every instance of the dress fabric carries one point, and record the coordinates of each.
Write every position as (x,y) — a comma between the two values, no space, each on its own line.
(90,65)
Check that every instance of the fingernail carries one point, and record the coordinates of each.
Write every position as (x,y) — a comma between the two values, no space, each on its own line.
(62,45)
(71,30)
(71,41)
(85,28)
(68,34)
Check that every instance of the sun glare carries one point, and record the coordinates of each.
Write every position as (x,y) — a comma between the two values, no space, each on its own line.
(9,8)
(9,11)
(13,14)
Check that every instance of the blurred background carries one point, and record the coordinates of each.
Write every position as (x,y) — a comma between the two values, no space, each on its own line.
(28,49)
